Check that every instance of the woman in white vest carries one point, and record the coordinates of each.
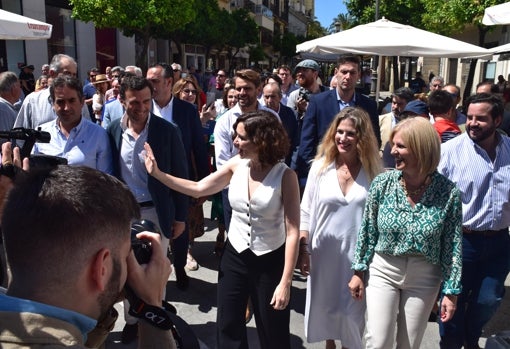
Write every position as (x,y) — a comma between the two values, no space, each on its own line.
(262,244)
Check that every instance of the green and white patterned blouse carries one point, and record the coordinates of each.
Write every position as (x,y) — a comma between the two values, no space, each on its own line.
(433,228)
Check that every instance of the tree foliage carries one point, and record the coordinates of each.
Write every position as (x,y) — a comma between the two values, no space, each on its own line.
(344,21)
(244,32)
(401,11)
(143,18)
(315,30)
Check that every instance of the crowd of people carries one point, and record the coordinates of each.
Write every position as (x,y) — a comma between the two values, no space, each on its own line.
(394,218)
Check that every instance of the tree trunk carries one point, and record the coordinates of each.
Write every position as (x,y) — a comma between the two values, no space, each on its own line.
(141,48)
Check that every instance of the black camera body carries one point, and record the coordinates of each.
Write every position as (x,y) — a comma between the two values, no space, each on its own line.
(304,94)
(142,248)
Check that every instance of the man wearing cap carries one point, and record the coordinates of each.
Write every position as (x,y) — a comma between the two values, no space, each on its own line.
(37,107)
(324,106)
(306,73)
(27,79)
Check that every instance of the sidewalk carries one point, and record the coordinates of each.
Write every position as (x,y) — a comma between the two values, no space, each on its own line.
(197,305)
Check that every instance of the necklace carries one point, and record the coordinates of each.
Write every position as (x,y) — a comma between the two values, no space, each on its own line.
(416,191)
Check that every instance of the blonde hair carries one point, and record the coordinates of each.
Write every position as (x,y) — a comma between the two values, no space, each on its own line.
(367,149)
(422,140)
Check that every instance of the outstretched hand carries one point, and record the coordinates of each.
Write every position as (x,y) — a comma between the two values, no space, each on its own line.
(150,161)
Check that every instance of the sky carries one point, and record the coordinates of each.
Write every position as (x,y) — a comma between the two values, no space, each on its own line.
(327,10)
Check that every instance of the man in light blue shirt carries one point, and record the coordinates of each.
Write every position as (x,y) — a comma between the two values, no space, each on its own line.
(478,161)
(78,140)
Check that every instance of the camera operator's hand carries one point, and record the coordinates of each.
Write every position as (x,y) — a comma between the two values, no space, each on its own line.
(301,105)
(149,280)
(13,157)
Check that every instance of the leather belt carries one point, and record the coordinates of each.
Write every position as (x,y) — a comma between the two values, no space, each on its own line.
(485,233)
(146,204)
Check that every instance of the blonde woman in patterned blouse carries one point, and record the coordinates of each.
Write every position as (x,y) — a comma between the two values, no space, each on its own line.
(409,241)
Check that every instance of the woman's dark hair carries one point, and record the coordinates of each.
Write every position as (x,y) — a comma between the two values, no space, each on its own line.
(267,133)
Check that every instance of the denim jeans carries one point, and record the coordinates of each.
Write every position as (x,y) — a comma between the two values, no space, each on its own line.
(485,266)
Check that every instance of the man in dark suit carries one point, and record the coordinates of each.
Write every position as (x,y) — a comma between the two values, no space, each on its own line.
(324,106)
(165,207)
(272,97)
(185,116)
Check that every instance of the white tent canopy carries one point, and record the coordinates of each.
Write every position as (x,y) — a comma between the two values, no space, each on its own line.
(386,38)
(500,49)
(17,27)
(498,14)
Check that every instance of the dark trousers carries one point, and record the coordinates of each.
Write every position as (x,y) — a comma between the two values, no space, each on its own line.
(179,248)
(485,266)
(243,275)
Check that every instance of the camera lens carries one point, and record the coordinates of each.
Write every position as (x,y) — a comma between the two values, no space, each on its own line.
(142,248)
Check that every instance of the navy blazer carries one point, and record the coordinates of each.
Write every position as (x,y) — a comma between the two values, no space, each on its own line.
(165,141)
(290,124)
(319,114)
(185,115)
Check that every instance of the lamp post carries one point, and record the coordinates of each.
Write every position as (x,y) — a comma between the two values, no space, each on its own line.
(338,26)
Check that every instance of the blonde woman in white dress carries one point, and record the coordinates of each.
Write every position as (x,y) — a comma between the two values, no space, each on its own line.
(331,212)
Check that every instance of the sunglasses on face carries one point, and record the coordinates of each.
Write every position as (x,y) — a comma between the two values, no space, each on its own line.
(190,92)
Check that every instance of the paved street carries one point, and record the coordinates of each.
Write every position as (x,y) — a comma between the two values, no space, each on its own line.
(197,305)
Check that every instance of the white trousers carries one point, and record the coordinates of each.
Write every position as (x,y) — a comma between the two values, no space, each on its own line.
(401,292)
(150,214)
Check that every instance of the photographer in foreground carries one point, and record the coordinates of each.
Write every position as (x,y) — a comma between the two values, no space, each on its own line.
(66,233)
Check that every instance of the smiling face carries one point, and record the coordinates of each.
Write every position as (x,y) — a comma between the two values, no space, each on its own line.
(247,94)
(346,137)
(405,159)
(188,93)
(480,125)
(137,104)
(231,98)
(246,148)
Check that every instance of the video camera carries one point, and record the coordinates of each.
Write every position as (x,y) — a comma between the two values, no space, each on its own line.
(29,137)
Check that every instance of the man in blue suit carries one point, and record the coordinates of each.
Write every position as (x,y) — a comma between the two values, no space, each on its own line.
(324,106)
(165,207)
(185,116)
(272,97)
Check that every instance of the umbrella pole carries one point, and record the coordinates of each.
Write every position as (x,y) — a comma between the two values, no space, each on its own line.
(378,80)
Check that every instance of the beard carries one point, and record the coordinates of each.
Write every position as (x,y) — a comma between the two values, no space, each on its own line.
(112,291)
(481,134)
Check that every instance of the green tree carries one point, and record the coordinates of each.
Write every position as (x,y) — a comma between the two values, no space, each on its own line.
(212,27)
(142,18)
(315,30)
(343,21)
(447,17)
(245,32)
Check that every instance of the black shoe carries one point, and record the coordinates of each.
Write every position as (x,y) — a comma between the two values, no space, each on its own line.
(182,280)
(129,333)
